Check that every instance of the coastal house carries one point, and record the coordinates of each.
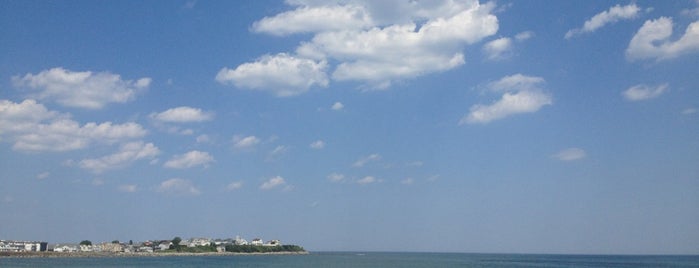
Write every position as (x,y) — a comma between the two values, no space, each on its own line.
(112,247)
(240,241)
(165,245)
(273,243)
(145,249)
(22,246)
(86,248)
(65,248)
(194,242)
(257,242)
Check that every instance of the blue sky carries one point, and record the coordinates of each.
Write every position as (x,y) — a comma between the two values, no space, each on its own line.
(546,127)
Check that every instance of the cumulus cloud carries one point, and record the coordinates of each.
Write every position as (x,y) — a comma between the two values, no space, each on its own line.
(693,12)
(203,138)
(522,94)
(248,142)
(43,175)
(373,42)
(87,89)
(644,92)
(570,154)
(338,106)
(32,127)
(498,49)
(128,188)
(272,183)
(319,144)
(614,14)
(283,75)
(127,154)
(366,159)
(689,111)
(234,185)
(407,181)
(178,187)
(278,151)
(307,19)
(336,177)
(183,114)
(652,41)
(190,159)
(524,35)
(367,180)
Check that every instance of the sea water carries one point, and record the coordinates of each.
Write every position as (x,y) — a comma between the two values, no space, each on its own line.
(372,259)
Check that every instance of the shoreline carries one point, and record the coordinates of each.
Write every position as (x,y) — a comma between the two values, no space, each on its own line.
(49,254)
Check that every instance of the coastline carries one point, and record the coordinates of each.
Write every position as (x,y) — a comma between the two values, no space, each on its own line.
(49,254)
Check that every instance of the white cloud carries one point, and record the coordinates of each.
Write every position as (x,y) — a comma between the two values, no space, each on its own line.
(178,187)
(524,36)
(644,92)
(694,12)
(367,180)
(234,185)
(366,159)
(278,151)
(43,175)
(306,19)
(245,142)
(407,181)
(81,89)
(189,4)
(338,106)
(603,18)
(273,183)
(319,144)
(283,75)
(203,138)
(127,154)
(570,154)
(689,111)
(522,94)
(190,159)
(32,127)
(183,114)
(373,42)
(336,177)
(498,49)
(128,188)
(652,41)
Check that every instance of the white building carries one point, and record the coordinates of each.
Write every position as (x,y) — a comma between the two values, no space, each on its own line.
(22,246)
(240,241)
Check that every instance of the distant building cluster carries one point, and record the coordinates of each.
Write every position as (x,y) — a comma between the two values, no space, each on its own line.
(22,246)
(116,246)
(256,242)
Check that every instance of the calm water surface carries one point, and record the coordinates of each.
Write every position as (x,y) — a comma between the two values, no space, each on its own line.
(353,259)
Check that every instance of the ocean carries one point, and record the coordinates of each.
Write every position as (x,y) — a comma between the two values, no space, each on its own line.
(370,259)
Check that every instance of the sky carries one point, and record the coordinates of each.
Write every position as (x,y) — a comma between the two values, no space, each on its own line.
(435,126)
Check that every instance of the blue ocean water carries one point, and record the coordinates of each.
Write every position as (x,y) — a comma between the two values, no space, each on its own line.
(373,259)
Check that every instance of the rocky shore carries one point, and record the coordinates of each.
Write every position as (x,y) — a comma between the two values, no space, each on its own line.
(50,254)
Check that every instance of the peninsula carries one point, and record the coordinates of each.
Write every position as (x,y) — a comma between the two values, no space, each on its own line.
(173,247)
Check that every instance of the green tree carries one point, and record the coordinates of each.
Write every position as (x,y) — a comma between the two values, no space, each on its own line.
(115,241)
(176,242)
(86,242)
(130,242)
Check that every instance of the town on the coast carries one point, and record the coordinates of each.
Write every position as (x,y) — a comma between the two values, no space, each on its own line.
(174,245)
